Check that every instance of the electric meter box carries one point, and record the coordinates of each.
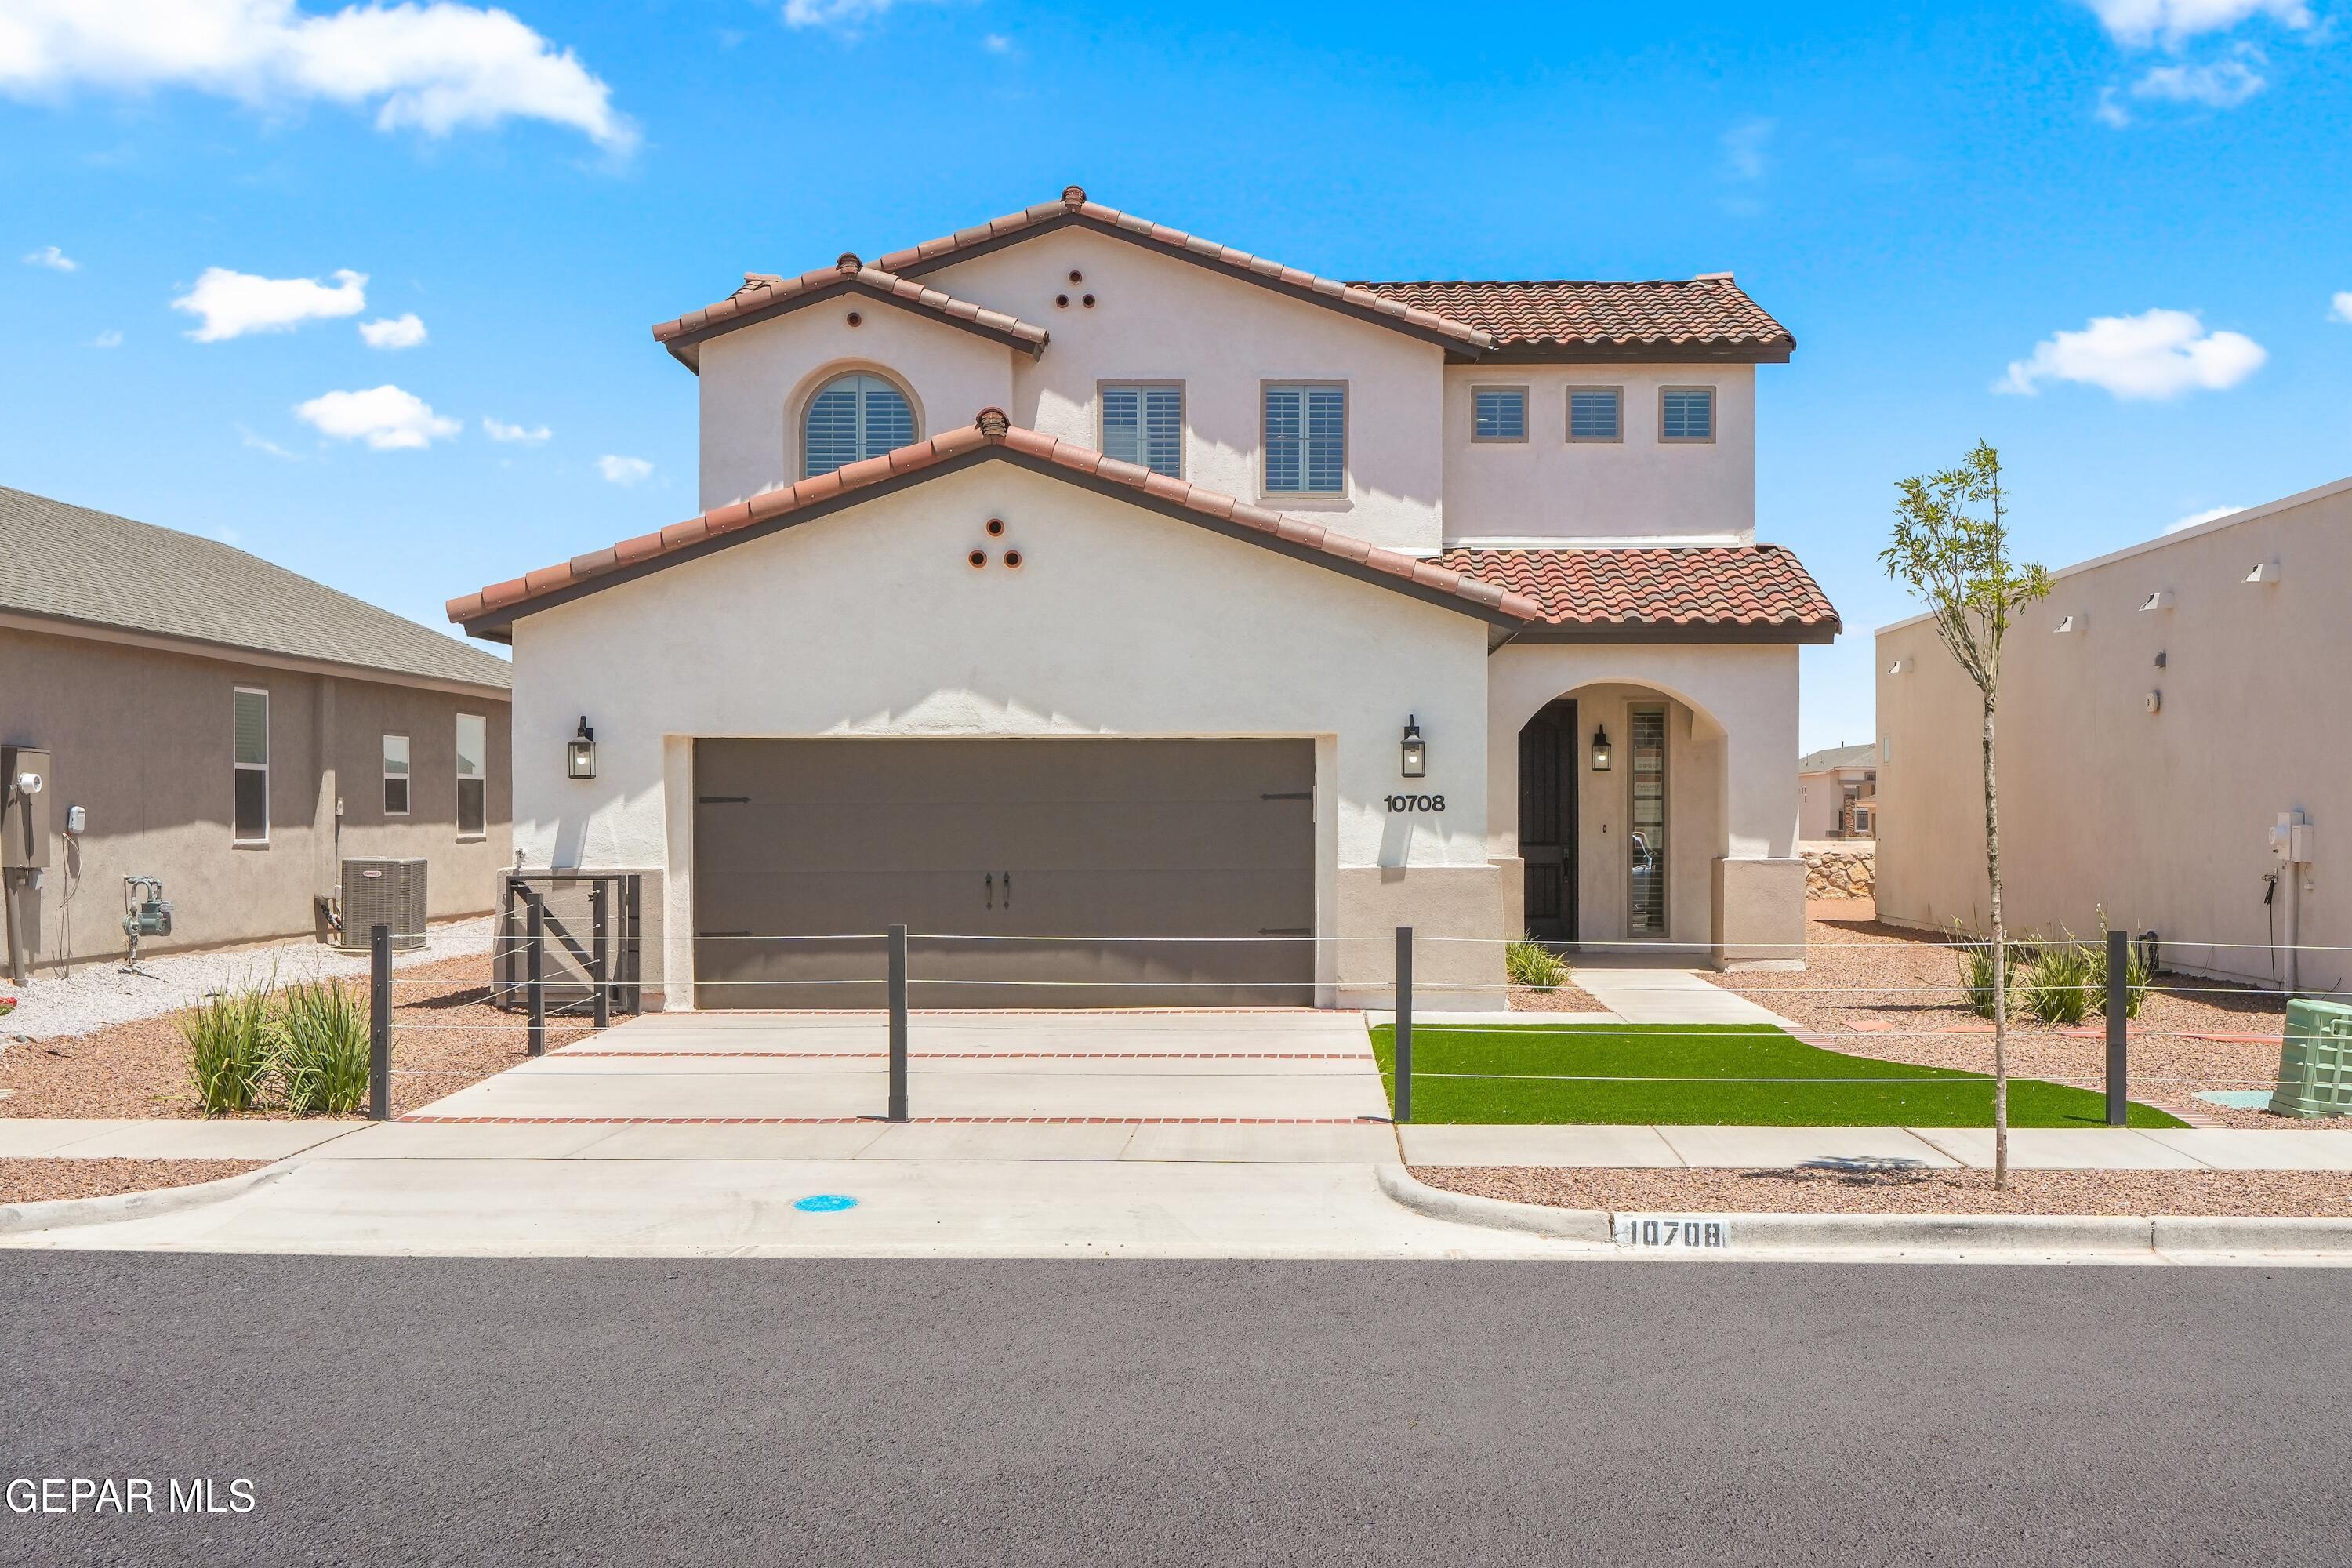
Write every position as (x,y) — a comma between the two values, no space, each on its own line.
(24,809)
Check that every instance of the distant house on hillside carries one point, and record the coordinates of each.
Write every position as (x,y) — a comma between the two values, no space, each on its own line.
(197,715)
(1837,792)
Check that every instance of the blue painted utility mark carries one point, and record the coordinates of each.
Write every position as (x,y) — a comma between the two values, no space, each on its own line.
(826,1202)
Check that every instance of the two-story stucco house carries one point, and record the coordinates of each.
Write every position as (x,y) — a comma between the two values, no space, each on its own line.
(1166,624)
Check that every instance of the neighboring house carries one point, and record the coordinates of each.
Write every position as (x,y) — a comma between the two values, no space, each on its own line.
(2159,712)
(1075,577)
(234,730)
(1837,792)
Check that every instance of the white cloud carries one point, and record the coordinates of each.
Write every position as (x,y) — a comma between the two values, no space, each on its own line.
(2339,309)
(109,338)
(2207,515)
(2136,23)
(623,470)
(437,67)
(2111,111)
(996,44)
(1746,147)
(236,303)
(262,443)
(2154,354)
(842,16)
(2225,84)
(386,417)
(394,331)
(50,255)
(499,430)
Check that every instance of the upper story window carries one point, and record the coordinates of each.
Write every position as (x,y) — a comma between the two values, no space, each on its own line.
(396,776)
(1143,423)
(1596,414)
(1306,439)
(251,824)
(851,418)
(1686,414)
(1499,414)
(473,774)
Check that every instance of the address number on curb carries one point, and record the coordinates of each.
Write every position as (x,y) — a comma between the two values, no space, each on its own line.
(1416,803)
(1665,1232)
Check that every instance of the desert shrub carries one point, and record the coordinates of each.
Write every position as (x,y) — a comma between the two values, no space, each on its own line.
(2135,975)
(1532,964)
(322,1042)
(232,1046)
(2058,984)
(1974,956)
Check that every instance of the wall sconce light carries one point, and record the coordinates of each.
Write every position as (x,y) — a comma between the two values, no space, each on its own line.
(1602,755)
(1416,750)
(580,753)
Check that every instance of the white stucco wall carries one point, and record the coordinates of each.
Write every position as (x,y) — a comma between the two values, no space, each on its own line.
(1548,487)
(1159,318)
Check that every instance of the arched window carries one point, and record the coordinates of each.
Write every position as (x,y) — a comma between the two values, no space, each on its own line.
(854,417)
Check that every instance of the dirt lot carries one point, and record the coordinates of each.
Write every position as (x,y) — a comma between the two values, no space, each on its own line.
(2294,1192)
(38,1180)
(445,1035)
(1883,991)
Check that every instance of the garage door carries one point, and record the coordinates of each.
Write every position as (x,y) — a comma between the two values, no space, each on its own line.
(1136,866)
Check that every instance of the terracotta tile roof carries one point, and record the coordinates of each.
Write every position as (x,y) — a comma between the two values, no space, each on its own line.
(1075,208)
(1656,591)
(991,434)
(1709,314)
(764,294)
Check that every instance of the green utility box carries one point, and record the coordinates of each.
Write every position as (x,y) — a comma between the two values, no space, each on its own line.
(2314,1076)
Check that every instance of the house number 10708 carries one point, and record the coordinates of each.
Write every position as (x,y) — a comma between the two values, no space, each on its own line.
(1416,803)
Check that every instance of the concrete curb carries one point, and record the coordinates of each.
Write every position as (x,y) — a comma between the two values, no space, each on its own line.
(1495,1214)
(59,1213)
(2254,1235)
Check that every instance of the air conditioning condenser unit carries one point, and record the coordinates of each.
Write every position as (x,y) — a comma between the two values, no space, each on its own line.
(383,893)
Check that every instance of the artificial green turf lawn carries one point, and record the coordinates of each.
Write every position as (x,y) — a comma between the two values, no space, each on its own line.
(1705,1051)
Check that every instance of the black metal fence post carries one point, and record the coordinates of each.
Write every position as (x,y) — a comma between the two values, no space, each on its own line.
(600,951)
(898,1023)
(380,1023)
(2119,994)
(1405,1022)
(534,977)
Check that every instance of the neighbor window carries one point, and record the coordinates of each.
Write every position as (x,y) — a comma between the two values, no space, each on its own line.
(1595,414)
(1686,414)
(396,776)
(473,755)
(1499,414)
(252,766)
(853,417)
(1145,424)
(1306,441)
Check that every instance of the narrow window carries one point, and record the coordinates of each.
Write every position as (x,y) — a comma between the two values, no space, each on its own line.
(1647,840)
(853,417)
(396,776)
(1686,414)
(1499,414)
(473,784)
(1306,440)
(1145,424)
(252,823)
(1595,414)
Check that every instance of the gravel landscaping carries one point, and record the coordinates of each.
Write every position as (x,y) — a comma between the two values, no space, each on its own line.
(41,1181)
(445,1035)
(1563,997)
(1884,991)
(1806,1191)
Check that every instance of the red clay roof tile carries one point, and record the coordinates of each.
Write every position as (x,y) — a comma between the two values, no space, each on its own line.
(1749,586)
(1711,314)
(765,294)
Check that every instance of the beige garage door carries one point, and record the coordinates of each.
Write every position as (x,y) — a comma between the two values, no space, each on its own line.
(1104,850)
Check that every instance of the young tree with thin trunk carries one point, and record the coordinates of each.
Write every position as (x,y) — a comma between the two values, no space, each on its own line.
(1950,547)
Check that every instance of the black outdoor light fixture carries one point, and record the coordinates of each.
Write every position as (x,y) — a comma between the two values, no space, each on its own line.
(580,753)
(1416,750)
(1601,751)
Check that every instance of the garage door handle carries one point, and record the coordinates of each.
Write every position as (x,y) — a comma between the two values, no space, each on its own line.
(1008,889)
(988,886)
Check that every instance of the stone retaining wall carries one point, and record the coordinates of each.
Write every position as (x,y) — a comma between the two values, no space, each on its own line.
(1844,868)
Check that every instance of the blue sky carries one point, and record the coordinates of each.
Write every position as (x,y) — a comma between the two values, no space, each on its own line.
(1927,197)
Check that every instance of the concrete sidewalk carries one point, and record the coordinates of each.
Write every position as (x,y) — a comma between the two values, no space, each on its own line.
(163,1138)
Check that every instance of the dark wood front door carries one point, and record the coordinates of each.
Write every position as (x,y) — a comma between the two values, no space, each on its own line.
(1548,821)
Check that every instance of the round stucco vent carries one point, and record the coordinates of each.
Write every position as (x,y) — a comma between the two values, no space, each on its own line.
(1078,276)
(978,558)
(995,527)
(1013,559)
(1061,301)
(856,320)
(1088,302)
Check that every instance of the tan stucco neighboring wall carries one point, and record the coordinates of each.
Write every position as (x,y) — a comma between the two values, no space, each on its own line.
(2161,817)
(141,739)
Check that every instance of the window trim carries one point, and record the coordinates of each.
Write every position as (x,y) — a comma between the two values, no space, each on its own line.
(1714,417)
(1345,495)
(238,766)
(1184,416)
(457,812)
(1568,414)
(815,386)
(407,778)
(1527,421)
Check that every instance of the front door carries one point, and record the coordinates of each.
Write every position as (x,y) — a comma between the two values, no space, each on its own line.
(1548,821)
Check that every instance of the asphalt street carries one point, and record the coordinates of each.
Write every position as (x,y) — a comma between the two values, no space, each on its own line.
(743,1412)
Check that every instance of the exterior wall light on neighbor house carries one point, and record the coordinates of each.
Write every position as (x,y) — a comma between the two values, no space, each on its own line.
(580,753)
(2070,624)
(1900,666)
(2267,572)
(2159,600)
(1416,750)
(1602,755)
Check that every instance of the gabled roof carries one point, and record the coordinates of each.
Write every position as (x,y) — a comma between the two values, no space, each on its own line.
(1075,209)
(1744,593)
(91,569)
(1704,318)
(492,612)
(1860,756)
(763,295)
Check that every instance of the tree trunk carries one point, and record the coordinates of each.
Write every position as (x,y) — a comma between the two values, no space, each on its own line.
(1999,962)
